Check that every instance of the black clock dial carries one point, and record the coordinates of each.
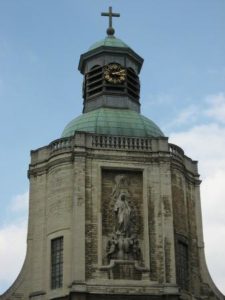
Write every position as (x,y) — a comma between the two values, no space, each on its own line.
(114,73)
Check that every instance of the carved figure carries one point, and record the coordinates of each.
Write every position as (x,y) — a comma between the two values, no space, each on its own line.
(123,213)
(120,247)
(111,247)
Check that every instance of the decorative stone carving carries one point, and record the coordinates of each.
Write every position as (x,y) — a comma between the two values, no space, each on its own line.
(123,248)
(122,226)
(123,243)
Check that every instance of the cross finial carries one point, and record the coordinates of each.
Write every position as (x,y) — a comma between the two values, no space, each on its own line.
(110,14)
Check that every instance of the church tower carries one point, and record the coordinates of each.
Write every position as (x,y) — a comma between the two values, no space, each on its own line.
(114,209)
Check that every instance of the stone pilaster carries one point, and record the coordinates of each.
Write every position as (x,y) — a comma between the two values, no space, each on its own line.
(78,231)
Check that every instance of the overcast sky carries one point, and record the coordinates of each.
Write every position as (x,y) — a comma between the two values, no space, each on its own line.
(183,91)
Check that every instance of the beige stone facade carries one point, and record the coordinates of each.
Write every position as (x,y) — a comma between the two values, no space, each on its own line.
(72,183)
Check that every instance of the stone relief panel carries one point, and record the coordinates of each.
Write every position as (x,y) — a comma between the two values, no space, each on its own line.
(122,223)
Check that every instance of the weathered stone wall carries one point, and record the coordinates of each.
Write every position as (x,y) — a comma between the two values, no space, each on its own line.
(185,224)
(59,194)
(160,222)
(179,203)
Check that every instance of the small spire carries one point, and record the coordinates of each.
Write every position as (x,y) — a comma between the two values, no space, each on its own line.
(110,31)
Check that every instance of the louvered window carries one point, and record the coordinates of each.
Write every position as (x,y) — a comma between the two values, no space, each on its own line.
(133,84)
(93,81)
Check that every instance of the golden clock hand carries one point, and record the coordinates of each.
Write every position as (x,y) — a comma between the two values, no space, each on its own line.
(115,73)
(121,72)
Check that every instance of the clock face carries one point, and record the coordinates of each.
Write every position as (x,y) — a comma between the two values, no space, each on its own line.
(114,73)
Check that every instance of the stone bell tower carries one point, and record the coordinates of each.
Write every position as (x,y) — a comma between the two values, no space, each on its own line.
(114,208)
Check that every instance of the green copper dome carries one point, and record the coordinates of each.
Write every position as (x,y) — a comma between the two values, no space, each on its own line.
(109,121)
(110,41)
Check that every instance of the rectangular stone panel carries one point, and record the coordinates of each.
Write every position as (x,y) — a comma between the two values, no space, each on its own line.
(122,223)
(115,183)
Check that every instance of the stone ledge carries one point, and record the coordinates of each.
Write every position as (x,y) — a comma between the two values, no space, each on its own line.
(125,287)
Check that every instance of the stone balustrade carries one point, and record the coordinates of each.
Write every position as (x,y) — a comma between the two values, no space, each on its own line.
(61,144)
(121,143)
(176,152)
